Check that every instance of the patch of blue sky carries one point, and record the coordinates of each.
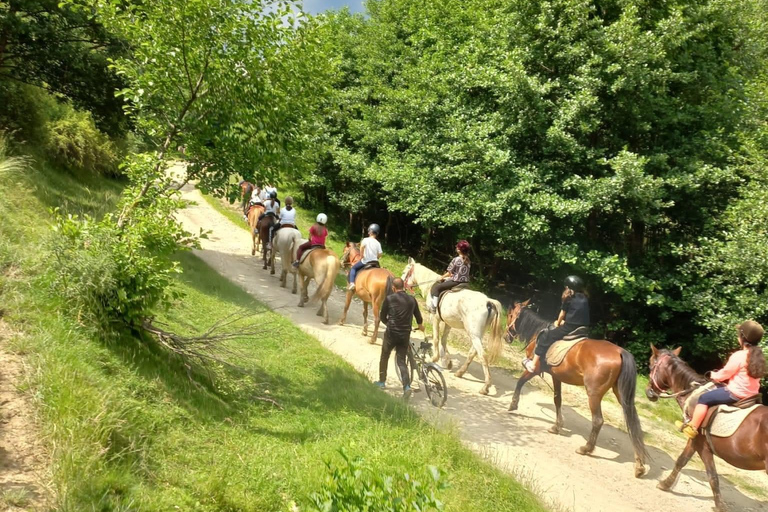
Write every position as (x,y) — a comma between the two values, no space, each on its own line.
(318,6)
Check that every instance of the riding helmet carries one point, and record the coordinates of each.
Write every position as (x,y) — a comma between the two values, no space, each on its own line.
(751,331)
(374,228)
(322,218)
(273,195)
(575,283)
(463,247)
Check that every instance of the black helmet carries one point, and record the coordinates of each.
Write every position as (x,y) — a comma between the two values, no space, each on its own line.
(374,228)
(575,283)
(273,195)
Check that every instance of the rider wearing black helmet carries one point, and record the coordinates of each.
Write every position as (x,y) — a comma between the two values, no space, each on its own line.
(370,248)
(574,313)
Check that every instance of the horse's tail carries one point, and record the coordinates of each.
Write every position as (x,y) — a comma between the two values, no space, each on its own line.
(627,384)
(332,266)
(496,345)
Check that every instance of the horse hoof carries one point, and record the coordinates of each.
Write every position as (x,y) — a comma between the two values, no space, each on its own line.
(372,341)
(449,365)
(640,471)
(512,407)
(459,374)
(301,304)
(294,292)
(554,430)
(483,391)
(272,272)
(253,253)
(584,450)
(663,486)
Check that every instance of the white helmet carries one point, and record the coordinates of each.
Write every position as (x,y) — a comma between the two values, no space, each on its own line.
(322,218)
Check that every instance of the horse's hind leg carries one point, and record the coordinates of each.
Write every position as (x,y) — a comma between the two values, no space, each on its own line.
(557,387)
(596,406)
(472,352)
(365,318)
(669,482)
(447,361)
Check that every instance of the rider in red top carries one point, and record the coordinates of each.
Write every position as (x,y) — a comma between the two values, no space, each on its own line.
(317,235)
(743,372)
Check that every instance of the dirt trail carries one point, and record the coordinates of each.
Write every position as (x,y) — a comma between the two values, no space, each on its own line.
(24,465)
(517,443)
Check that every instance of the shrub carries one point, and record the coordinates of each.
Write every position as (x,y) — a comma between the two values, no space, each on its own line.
(353,487)
(75,142)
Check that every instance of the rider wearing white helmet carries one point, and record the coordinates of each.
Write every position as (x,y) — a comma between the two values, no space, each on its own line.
(317,235)
(371,251)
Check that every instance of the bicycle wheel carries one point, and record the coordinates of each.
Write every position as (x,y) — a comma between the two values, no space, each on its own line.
(437,391)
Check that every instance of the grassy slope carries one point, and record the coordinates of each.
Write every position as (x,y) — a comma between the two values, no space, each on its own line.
(127,430)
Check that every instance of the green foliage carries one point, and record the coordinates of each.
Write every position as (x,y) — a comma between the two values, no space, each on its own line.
(558,136)
(354,487)
(10,164)
(74,141)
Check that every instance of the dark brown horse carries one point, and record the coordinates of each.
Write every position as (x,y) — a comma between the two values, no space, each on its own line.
(372,286)
(263,226)
(745,449)
(598,365)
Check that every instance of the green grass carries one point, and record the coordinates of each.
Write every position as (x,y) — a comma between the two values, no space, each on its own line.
(128,430)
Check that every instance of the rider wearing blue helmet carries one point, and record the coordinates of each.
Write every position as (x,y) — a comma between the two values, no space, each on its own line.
(370,248)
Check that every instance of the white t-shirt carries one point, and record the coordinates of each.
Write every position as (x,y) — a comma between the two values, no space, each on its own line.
(270,206)
(263,195)
(371,250)
(288,217)
(256,196)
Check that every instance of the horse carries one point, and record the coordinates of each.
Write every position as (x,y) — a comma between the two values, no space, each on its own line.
(747,448)
(323,266)
(286,242)
(598,365)
(469,310)
(263,225)
(372,286)
(253,222)
(246,189)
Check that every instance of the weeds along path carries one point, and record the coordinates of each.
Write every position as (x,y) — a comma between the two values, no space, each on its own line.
(517,443)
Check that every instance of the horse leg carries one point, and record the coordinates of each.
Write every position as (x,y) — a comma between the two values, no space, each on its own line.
(557,387)
(295,276)
(365,319)
(376,305)
(304,285)
(436,338)
(669,482)
(447,361)
(518,388)
(460,373)
(714,481)
(596,406)
(253,239)
(346,308)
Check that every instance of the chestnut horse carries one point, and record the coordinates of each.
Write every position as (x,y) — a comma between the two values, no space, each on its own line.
(253,222)
(372,286)
(598,365)
(747,448)
(323,266)
(246,189)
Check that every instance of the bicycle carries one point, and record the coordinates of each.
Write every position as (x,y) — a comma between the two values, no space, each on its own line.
(429,374)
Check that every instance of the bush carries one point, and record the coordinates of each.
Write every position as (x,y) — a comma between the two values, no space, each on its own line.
(355,488)
(75,142)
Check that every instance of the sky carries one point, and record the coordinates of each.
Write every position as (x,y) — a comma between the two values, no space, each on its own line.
(316,6)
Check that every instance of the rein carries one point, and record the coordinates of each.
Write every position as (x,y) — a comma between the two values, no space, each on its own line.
(655,383)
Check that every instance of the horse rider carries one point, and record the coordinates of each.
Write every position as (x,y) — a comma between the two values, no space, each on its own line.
(255,199)
(742,372)
(397,313)
(287,218)
(317,235)
(574,313)
(371,251)
(457,273)
(271,209)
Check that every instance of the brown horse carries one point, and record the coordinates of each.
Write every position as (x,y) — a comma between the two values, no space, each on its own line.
(745,449)
(598,365)
(263,226)
(372,286)
(246,189)
(253,221)
(323,266)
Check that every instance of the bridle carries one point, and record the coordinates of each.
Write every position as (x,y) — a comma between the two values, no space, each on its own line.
(346,257)
(407,280)
(657,388)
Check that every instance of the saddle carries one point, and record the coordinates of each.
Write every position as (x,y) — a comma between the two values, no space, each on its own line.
(368,266)
(721,420)
(559,349)
(306,253)
(457,288)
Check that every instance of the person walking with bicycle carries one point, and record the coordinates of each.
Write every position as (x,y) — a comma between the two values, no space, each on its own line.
(397,313)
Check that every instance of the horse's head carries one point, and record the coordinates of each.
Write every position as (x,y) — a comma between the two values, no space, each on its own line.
(350,256)
(407,276)
(662,371)
(512,317)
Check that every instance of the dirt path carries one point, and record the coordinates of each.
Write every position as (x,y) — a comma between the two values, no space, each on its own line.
(24,474)
(516,443)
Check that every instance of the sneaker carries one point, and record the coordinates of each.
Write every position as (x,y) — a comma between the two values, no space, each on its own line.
(380,384)
(407,392)
(245,218)
(687,429)
(351,287)
(528,365)
(295,264)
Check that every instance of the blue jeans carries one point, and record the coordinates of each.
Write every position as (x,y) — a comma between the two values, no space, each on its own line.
(719,396)
(353,271)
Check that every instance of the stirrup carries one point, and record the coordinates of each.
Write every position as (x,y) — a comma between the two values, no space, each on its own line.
(687,429)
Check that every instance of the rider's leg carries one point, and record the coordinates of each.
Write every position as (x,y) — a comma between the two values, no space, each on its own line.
(717,396)
(353,274)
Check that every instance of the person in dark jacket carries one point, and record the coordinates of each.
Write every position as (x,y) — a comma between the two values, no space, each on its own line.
(397,313)
(574,313)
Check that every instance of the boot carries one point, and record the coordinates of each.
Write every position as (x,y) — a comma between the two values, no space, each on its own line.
(687,429)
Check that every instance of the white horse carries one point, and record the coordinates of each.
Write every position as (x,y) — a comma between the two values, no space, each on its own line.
(469,310)
(285,241)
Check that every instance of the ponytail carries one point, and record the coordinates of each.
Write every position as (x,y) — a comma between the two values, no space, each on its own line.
(755,362)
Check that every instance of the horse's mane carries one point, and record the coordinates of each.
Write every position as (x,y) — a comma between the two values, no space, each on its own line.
(529,324)
(680,373)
